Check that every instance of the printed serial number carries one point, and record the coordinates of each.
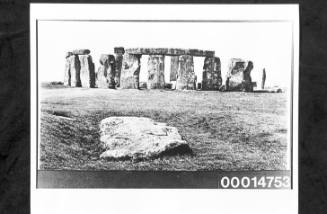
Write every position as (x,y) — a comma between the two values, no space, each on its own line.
(274,182)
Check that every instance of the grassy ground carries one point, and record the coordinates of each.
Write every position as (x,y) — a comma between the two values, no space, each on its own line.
(226,131)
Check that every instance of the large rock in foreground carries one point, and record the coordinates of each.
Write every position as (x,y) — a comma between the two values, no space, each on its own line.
(139,138)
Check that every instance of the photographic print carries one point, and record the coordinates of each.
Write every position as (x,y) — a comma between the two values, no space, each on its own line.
(165,95)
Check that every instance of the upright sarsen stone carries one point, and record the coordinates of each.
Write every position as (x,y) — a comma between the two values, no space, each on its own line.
(130,71)
(156,72)
(216,74)
(211,79)
(75,68)
(87,73)
(185,74)
(239,75)
(173,67)
(119,52)
(105,77)
(67,75)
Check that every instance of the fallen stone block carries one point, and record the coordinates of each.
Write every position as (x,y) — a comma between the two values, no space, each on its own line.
(156,72)
(139,138)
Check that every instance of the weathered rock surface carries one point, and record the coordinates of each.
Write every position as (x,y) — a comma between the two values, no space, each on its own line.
(139,138)
(156,72)
(87,73)
(170,51)
(81,51)
(173,68)
(67,75)
(239,75)
(185,74)
(119,52)
(105,77)
(211,79)
(75,68)
(130,71)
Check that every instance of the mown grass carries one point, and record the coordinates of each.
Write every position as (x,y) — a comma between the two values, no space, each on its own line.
(226,131)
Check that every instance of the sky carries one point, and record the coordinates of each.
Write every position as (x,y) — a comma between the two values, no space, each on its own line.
(267,44)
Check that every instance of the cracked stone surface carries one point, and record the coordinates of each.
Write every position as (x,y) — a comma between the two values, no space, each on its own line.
(139,138)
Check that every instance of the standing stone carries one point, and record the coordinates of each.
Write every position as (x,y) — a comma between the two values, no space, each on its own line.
(119,52)
(156,72)
(207,75)
(106,72)
(211,79)
(239,75)
(67,76)
(130,71)
(173,67)
(185,74)
(87,73)
(263,79)
(216,75)
(75,68)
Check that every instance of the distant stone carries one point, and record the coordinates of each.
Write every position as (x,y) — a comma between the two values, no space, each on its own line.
(81,51)
(156,72)
(67,75)
(87,73)
(143,85)
(239,75)
(139,138)
(185,74)
(169,51)
(68,54)
(173,68)
(129,77)
(105,77)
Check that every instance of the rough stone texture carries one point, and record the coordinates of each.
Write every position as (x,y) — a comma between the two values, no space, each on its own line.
(130,71)
(119,52)
(67,75)
(211,79)
(263,79)
(87,73)
(68,54)
(239,75)
(185,74)
(81,51)
(105,77)
(173,68)
(156,72)
(139,138)
(75,68)
(170,51)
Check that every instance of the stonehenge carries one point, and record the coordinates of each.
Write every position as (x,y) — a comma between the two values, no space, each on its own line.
(79,69)
(122,70)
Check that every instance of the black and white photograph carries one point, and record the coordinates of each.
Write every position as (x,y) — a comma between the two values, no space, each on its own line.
(165,89)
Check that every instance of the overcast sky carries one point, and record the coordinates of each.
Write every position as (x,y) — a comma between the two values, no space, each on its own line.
(267,44)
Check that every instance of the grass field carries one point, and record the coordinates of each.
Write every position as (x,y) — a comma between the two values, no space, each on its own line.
(226,131)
